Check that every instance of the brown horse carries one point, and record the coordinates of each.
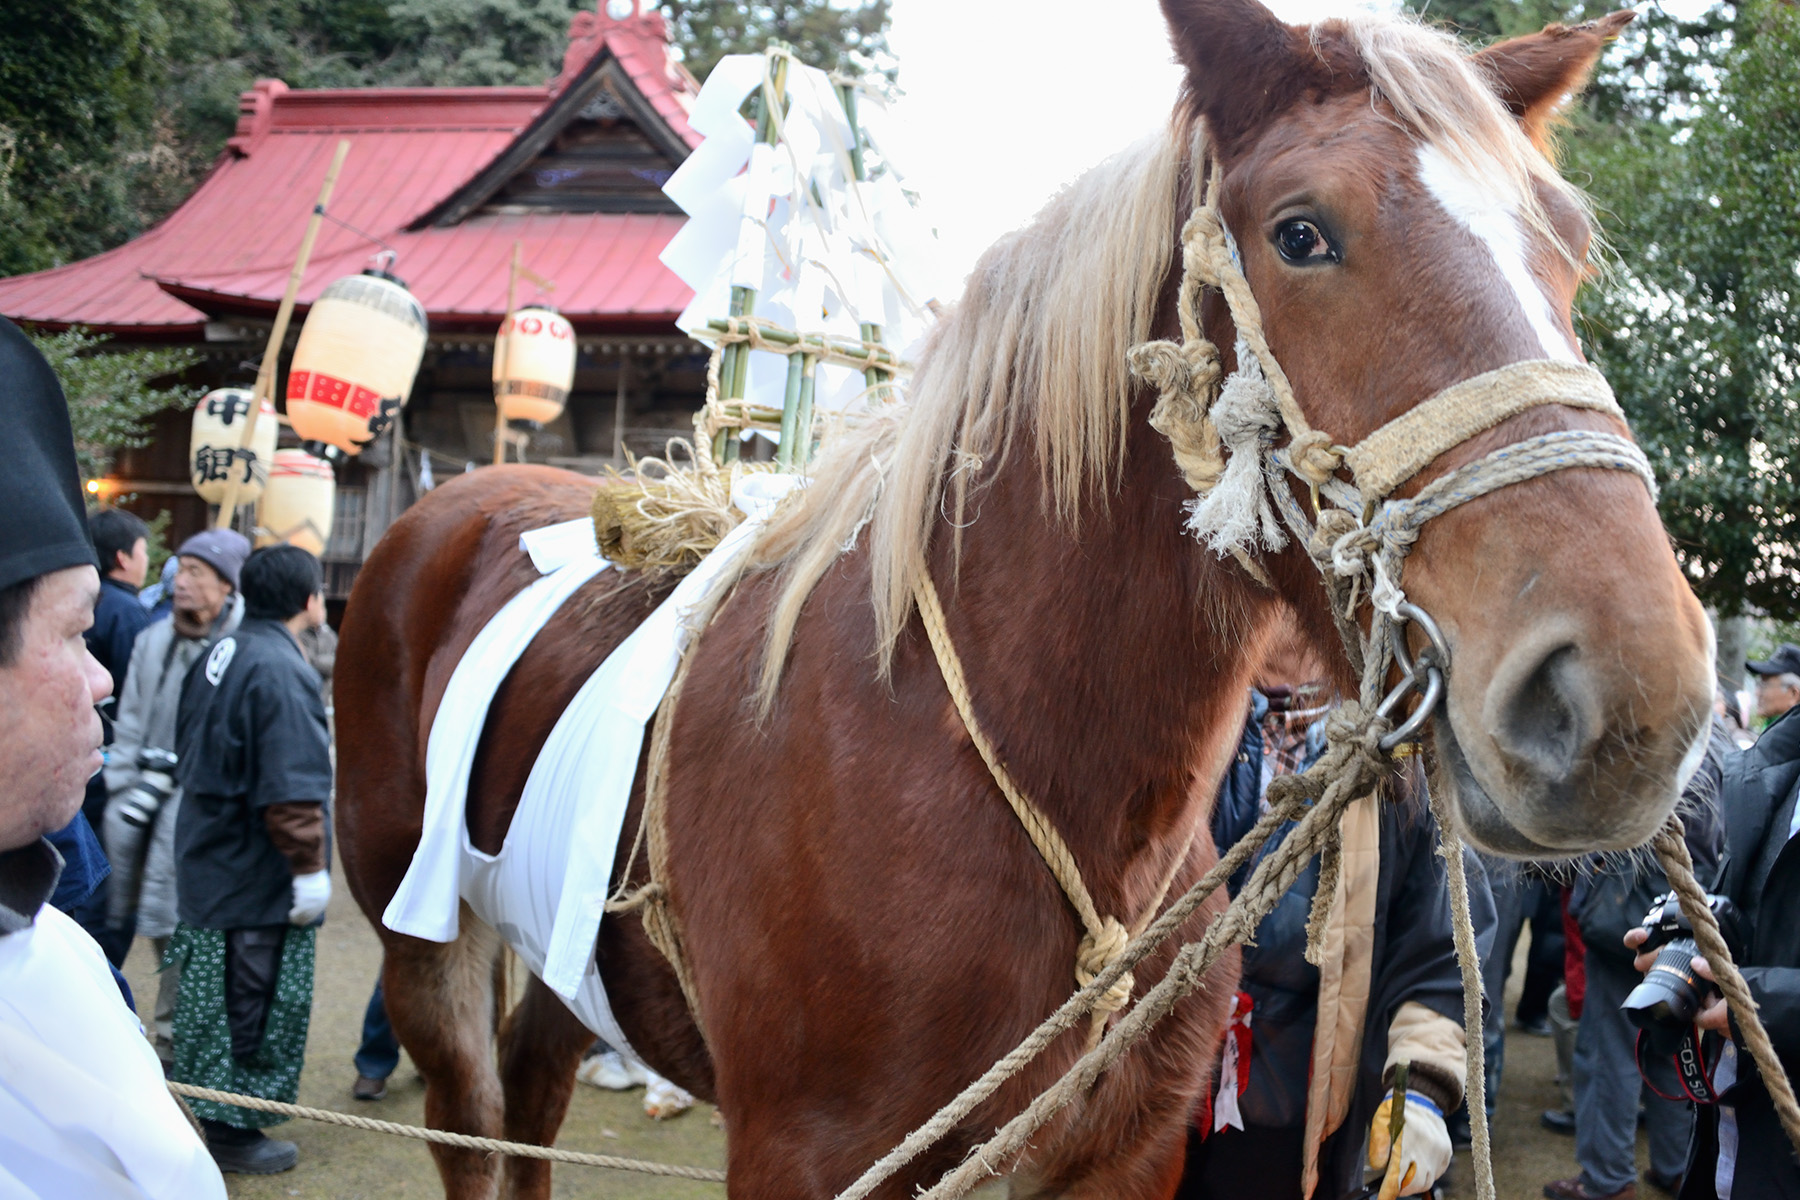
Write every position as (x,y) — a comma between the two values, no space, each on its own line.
(868,926)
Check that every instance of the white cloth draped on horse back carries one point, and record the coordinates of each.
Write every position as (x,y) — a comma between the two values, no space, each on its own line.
(545,891)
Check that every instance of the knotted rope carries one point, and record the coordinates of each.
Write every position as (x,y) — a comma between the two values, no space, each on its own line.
(1350,767)
(1104,938)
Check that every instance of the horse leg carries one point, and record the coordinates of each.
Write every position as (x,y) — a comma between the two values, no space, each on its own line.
(541,1044)
(440,1001)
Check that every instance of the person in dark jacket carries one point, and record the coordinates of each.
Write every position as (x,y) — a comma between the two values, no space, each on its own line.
(1605,903)
(1290,1114)
(251,853)
(1739,1149)
(122,541)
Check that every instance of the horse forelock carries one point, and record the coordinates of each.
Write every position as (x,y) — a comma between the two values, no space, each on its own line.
(1442,96)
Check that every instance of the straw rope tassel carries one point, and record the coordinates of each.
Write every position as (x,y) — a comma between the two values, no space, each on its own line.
(1671,849)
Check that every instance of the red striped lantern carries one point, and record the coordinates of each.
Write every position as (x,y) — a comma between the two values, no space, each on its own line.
(354,366)
(534,365)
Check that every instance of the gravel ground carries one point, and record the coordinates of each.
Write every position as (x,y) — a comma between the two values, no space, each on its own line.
(347,1164)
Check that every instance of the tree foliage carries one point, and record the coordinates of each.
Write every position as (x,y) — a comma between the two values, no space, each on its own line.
(1696,324)
(112,394)
(1689,144)
(112,110)
(823,34)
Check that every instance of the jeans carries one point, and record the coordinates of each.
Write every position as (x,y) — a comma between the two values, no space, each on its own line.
(379,1053)
(1608,1088)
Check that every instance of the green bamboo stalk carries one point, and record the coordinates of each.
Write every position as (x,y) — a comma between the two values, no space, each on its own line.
(803,419)
(785,457)
(734,362)
(871,332)
(818,343)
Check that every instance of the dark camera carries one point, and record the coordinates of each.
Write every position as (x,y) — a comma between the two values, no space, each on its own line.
(154,786)
(1671,993)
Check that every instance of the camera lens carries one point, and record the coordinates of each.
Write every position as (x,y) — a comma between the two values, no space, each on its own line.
(1670,992)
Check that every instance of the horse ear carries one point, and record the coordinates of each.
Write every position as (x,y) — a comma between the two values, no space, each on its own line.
(1243,64)
(1536,75)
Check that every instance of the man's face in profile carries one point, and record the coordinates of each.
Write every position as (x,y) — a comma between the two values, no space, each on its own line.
(49,731)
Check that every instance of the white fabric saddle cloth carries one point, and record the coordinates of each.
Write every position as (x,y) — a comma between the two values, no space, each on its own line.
(545,891)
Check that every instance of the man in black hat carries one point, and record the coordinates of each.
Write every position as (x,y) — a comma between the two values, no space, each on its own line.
(83,1107)
(1777,681)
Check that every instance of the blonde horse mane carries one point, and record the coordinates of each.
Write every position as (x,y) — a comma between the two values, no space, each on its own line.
(1036,348)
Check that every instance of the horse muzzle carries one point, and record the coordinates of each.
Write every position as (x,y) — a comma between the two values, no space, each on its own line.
(1555,756)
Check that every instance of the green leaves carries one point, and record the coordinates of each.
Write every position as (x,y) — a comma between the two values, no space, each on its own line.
(112,394)
(828,35)
(1697,183)
(111,111)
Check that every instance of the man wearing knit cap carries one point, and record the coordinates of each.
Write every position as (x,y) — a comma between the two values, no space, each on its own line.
(83,1108)
(144,800)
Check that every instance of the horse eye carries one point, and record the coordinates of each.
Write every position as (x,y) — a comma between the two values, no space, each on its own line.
(1302,242)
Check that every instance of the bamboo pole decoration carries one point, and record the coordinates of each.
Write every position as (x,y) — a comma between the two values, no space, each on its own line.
(874,377)
(734,362)
(803,419)
(264,388)
(512,289)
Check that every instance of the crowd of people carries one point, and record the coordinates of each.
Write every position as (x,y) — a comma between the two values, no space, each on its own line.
(1320,1053)
(196,818)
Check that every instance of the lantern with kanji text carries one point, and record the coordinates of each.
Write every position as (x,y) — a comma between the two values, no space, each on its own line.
(353,368)
(217,456)
(298,504)
(534,365)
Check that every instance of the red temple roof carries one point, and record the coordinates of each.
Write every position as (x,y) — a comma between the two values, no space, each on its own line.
(422,176)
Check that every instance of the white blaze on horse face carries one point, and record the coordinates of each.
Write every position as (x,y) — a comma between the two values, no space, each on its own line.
(1483,208)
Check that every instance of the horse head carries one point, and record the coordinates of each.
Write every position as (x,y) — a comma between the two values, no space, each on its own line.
(1403,231)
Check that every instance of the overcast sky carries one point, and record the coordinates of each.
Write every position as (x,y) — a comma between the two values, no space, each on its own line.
(1007,100)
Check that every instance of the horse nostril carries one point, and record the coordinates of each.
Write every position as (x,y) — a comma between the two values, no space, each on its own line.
(1545,721)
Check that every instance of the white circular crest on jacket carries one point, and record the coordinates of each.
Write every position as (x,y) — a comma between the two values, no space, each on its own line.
(219,659)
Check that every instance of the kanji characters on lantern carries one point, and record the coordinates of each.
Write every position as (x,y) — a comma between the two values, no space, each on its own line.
(217,456)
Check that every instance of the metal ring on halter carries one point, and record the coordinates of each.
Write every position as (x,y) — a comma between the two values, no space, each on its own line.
(1424,674)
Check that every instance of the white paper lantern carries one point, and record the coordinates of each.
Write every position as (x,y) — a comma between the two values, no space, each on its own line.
(217,456)
(354,366)
(299,502)
(535,351)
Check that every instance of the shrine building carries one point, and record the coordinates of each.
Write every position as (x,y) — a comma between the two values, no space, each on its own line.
(447,180)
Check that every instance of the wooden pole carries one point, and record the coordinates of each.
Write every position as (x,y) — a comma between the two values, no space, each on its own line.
(271,359)
(619,409)
(512,288)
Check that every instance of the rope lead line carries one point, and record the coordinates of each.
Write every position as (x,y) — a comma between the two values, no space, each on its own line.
(461,1141)
(1671,849)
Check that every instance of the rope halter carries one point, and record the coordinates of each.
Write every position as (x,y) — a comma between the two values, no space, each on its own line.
(1224,432)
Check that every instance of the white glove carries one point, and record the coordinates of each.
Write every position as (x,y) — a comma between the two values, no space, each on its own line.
(1423,1153)
(312,893)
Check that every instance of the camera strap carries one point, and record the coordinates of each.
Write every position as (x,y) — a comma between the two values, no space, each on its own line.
(1685,1055)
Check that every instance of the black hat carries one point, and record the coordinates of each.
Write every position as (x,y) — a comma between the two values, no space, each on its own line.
(1785,661)
(40,489)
